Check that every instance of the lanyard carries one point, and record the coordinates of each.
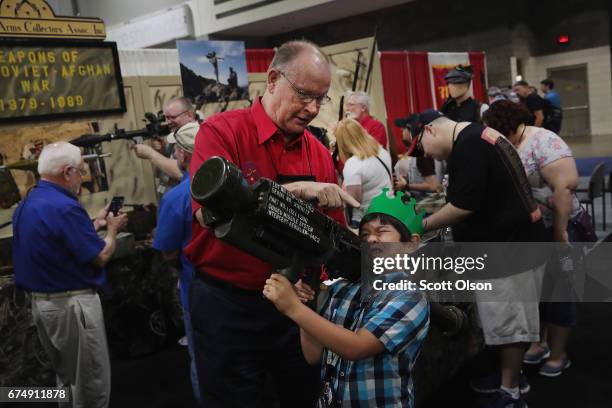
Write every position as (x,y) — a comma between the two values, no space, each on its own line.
(330,367)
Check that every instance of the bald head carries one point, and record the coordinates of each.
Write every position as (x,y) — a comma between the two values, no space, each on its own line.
(438,137)
(298,81)
(287,54)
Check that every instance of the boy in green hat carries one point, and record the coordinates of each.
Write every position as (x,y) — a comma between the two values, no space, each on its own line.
(367,346)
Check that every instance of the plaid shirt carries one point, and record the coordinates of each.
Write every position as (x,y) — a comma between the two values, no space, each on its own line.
(400,320)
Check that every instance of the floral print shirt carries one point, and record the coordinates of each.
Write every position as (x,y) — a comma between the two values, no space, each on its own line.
(541,149)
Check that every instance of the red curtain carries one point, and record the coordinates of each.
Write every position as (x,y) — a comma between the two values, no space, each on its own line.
(258,60)
(477,61)
(395,75)
(420,81)
(407,87)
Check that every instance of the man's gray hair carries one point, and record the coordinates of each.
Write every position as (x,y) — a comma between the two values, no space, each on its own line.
(362,98)
(290,50)
(55,156)
(185,103)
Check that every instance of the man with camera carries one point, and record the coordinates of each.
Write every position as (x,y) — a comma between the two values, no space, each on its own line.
(241,340)
(178,112)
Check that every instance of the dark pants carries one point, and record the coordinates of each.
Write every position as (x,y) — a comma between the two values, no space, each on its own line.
(559,313)
(554,126)
(245,348)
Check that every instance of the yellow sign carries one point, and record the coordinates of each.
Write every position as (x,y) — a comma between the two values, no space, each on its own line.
(36,19)
(46,80)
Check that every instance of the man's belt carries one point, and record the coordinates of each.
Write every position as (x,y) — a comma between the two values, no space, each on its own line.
(227,286)
(55,295)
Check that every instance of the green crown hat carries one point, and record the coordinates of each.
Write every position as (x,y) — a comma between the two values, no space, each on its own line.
(395,207)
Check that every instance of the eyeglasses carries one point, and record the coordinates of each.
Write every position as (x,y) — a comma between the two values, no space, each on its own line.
(351,104)
(83,172)
(172,117)
(306,97)
(419,144)
(420,140)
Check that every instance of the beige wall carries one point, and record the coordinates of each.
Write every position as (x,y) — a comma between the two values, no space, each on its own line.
(597,61)
(343,57)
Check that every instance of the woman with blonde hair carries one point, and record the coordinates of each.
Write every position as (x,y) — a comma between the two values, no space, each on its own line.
(367,165)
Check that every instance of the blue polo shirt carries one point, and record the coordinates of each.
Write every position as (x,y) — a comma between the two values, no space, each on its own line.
(553,97)
(174,230)
(55,242)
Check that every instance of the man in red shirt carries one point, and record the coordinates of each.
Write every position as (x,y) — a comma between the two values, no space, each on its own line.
(358,108)
(240,337)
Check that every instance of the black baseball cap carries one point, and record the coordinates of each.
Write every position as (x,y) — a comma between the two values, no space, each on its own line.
(402,122)
(458,75)
(416,123)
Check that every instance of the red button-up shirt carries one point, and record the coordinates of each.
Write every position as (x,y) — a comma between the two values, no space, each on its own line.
(251,140)
(375,128)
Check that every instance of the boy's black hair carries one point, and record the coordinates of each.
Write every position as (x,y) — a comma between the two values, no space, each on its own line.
(384,219)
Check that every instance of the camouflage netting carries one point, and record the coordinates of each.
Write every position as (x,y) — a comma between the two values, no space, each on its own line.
(142,313)
(442,355)
(22,358)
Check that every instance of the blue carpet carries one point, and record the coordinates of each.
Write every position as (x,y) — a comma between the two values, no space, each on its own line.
(586,164)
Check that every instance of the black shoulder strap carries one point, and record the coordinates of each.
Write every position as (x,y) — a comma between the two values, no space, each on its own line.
(478,107)
(386,168)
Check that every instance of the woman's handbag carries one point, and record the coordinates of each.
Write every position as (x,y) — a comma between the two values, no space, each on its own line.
(583,225)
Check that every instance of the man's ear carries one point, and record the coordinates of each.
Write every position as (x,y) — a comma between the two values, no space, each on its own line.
(273,77)
(406,135)
(66,172)
(430,129)
(415,239)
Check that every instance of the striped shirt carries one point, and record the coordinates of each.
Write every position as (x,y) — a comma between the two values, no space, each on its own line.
(400,320)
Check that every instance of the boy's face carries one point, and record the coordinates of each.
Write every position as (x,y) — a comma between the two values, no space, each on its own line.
(374,231)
